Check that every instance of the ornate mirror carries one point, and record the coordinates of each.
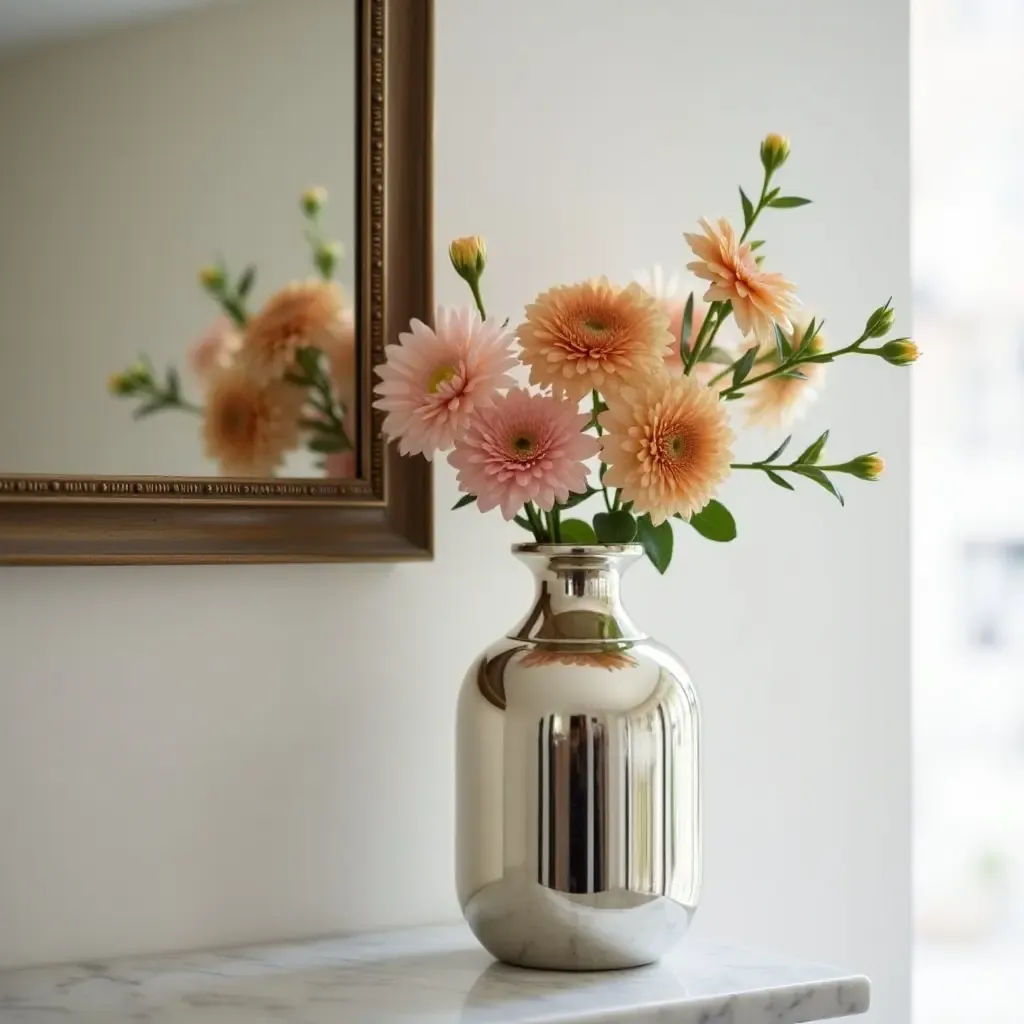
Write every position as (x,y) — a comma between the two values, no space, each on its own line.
(215,214)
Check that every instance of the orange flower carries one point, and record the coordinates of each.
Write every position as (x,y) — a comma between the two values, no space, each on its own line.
(593,335)
(779,401)
(667,444)
(609,660)
(303,314)
(759,299)
(250,425)
(340,349)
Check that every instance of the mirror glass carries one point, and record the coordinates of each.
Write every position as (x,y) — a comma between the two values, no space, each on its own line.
(178,217)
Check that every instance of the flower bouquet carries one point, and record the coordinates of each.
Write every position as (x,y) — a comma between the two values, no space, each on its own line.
(274,381)
(656,380)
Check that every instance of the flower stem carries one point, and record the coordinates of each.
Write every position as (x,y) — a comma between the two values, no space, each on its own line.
(314,378)
(757,209)
(474,287)
(795,361)
(533,515)
(600,433)
(791,467)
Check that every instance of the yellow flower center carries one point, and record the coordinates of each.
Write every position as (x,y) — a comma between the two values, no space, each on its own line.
(440,376)
(675,446)
(595,326)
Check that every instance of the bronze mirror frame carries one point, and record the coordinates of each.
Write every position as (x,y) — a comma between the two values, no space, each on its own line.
(383,514)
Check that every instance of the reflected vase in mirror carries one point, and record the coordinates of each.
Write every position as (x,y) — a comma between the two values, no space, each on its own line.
(578,827)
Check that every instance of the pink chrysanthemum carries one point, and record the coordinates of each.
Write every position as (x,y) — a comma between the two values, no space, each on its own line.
(524,448)
(434,380)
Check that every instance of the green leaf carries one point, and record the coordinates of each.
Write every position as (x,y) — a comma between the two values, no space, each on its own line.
(754,246)
(657,541)
(782,346)
(808,336)
(173,385)
(149,408)
(716,355)
(795,374)
(810,455)
(715,522)
(781,481)
(687,329)
(234,309)
(309,361)
(614,527)
(298,379)
(788,202)
(815,474)
(748,208)
(576,531)
(771,195)
(326,444)
(743,366)
(523,522)
(466,499)
(778,451)
(576,499)
(247,280)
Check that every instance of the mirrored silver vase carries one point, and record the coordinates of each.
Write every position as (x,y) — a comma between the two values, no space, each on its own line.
(578,813)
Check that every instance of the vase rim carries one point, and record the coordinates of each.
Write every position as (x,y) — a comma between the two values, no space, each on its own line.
(534,548)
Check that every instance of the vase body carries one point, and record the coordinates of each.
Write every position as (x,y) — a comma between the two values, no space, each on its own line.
(578,810)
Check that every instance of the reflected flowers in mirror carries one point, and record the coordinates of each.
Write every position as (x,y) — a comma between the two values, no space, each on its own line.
(272,381)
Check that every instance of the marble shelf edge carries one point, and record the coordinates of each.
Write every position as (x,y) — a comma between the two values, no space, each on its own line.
(431,975)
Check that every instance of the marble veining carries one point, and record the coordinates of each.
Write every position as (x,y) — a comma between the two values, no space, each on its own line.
(435,975)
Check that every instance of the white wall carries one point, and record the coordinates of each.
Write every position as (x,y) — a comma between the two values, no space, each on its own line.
(132,157)
(206,755)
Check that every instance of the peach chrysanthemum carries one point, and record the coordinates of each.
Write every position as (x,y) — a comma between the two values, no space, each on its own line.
(524,448)
(340,349)
(593,335)
(609,660)
(215,350)
(780,401)
(667,444)
(304,314)
(664,292)
(759,299)
(435,378)
(250,424)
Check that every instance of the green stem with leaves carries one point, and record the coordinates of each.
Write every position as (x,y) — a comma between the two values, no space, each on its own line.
(329,433)
(595,411)
(793,362)
(536,523)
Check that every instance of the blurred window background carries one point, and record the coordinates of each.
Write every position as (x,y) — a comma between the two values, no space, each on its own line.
(967,88)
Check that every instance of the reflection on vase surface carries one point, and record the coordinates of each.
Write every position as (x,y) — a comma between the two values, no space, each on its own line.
(579,811)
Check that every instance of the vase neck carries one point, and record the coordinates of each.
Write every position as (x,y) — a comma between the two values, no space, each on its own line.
(577,598)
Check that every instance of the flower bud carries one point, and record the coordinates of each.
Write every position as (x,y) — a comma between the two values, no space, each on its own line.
(774,151)
(900,352)
(469,257)
(326,257)
(880,322)
(866,467)
(313,200)
(212,279)
(119,384)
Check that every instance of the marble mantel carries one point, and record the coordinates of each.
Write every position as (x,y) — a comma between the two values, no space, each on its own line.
(433,975)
